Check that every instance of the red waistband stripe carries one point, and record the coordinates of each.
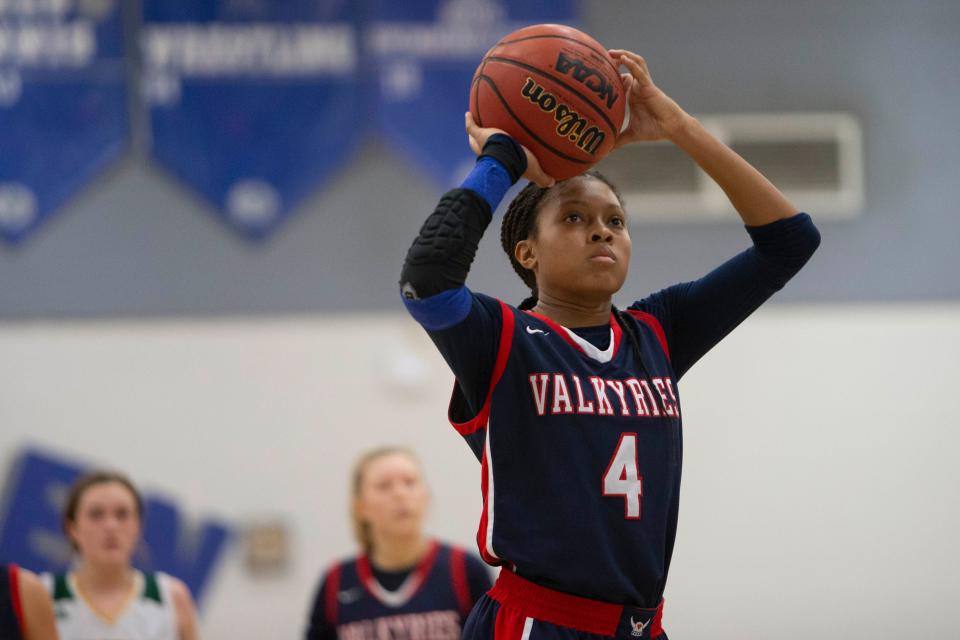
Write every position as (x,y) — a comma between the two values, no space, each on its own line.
(563,609)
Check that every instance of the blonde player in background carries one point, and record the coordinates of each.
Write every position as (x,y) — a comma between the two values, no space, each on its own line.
(404,585)
(104,597)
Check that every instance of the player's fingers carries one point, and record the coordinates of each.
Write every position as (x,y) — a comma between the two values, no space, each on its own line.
(638,73)
(631,60)
(541,179)
(480,134)
(621,55)
(535,173)
(632,63)
(643,64)
(474,133)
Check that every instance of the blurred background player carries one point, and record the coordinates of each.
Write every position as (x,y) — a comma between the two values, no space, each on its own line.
(569,403)
(104,597)
(25,609)
(403,583)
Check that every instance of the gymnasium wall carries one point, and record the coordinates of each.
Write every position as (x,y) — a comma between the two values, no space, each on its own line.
(236,381)
(136,243)
(820,482)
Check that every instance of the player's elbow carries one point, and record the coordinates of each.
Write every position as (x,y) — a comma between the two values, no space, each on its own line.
(808,239)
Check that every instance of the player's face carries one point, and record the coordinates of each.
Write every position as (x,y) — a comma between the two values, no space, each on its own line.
(581,248)
(106,528)
(393,496)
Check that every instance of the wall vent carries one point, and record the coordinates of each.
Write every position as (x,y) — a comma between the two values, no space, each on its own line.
(815,158)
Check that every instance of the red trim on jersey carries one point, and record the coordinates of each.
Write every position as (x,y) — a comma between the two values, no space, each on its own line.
(508,625)
(656,625)
(479,421)
(332,587)
(13,574)
(652,322)
(482,527)
(458,575)
(525,599)
(421,571)
(563,332)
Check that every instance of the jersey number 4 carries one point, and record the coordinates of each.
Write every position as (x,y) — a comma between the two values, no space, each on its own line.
(622,477)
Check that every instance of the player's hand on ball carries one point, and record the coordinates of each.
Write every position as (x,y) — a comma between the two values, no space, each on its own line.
(653,114)
(478,137)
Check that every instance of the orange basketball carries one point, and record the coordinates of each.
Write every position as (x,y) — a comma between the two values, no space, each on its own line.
(556,91)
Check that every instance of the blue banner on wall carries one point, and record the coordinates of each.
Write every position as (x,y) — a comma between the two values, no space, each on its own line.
(253,103)
(425,53)
(63,104)
(31,533)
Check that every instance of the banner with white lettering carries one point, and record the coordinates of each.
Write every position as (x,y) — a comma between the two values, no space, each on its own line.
(253,103)
(425,53)
(63,104)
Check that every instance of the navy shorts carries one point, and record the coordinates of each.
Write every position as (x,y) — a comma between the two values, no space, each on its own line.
(517,609)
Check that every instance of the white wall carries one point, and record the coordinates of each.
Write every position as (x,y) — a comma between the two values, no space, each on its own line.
(821,489)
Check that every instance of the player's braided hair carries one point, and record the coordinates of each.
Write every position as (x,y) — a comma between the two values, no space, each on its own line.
(520,223)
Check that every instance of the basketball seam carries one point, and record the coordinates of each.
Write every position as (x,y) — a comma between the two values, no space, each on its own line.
(614,130)
(476,102)
(476,95)
(506,106)
(602,54)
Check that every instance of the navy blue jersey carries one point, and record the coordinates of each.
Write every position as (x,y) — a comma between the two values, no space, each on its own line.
(11,616)
(579,432)
(580,452)
(431,601)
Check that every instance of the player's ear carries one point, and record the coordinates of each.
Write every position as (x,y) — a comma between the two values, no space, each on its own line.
(525,253)
(70,528)
(357,509)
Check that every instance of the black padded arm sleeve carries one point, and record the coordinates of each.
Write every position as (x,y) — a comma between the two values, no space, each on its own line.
(440,256)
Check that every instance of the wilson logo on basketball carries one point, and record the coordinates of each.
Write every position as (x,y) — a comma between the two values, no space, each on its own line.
(556,91)
(570,124)
(589,77)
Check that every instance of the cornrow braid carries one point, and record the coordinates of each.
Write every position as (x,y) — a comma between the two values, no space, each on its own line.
(627,327)
(520,223)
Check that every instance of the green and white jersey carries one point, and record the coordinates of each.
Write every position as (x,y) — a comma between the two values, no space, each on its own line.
(148,615)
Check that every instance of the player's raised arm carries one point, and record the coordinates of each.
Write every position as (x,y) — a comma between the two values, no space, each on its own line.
(696,315)
(440,257)
(464,327)
(655,116)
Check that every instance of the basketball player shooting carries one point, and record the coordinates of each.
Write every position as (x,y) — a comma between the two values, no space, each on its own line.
(571,404)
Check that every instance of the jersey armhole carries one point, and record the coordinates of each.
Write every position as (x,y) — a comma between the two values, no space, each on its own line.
(158,587)
(14,579)
(652,322)
(479,421)
(332,586)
